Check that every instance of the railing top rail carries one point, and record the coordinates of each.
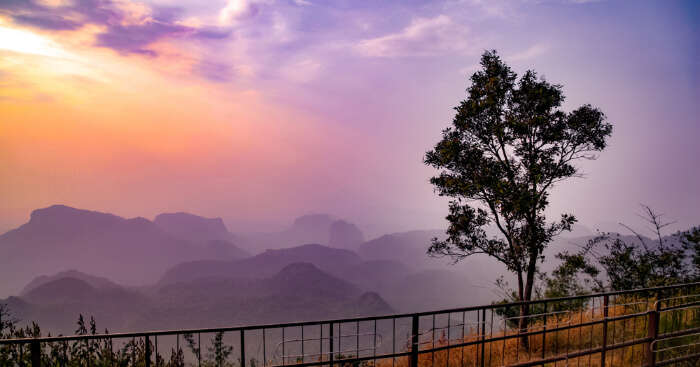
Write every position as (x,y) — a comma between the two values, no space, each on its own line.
(335,321)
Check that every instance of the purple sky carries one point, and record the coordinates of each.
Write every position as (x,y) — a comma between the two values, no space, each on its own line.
(348,97)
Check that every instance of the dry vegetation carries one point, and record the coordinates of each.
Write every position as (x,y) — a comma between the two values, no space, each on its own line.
(511,351)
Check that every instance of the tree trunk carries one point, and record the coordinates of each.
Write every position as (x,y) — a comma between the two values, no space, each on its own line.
(522,322)
(526,296)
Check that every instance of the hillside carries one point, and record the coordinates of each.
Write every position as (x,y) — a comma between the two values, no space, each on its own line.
(128,251)
(93,281)
(299,291)
(56,304)
(265,264)
(322,229)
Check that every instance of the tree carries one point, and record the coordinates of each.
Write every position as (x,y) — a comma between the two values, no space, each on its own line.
(508,145)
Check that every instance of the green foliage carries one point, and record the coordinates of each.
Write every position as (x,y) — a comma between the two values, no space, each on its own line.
(218,351)
(564,281)
(192,345)
(509,143)
(609,261)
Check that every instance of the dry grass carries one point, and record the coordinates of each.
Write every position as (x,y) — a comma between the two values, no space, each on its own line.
(577,338)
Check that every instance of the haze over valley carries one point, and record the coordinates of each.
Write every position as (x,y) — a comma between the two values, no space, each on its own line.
(182,270)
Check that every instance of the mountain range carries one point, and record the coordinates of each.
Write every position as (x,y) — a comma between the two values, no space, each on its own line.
(183,270)
(299,291)
(129,251)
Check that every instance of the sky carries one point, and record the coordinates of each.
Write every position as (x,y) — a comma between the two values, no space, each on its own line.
(258,111)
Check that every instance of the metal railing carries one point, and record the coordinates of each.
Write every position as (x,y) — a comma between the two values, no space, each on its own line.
(645,327)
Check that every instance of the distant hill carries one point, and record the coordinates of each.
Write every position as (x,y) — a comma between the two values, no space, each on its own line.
(56,304)
(299,291)
(193,228)
(264,265)
(407,247)
(406,288)
(377,275)
(323,229)
(210,233)
(93,281)
(129,251)
(346,235)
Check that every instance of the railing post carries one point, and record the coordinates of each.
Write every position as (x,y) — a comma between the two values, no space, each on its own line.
(544,331)
(147,353)
(330,343)
(35,349)
(606,301)
(653,334)
(242,348)
(414,342)
(483,337)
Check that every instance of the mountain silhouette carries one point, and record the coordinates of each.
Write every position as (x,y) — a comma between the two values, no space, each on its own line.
(193,227)
(298,291)
(322,229)
(345,235)
(93,281)
(264,265)
(406,247)
(56,304)
(129,251)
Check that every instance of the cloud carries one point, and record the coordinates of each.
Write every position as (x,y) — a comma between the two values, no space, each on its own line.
(493,8)
(302,71)
(423,37)
(213,71)
(531,52)
(126,26)
(47,21)
(137,38)
(238,9)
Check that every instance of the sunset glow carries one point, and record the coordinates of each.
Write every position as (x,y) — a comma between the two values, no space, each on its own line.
(257,111)
(27,42)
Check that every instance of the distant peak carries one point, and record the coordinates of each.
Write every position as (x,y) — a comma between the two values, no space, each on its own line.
(344,234)
(313,220)
(190,221)
(193,227)
(56,209)
(61,216)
